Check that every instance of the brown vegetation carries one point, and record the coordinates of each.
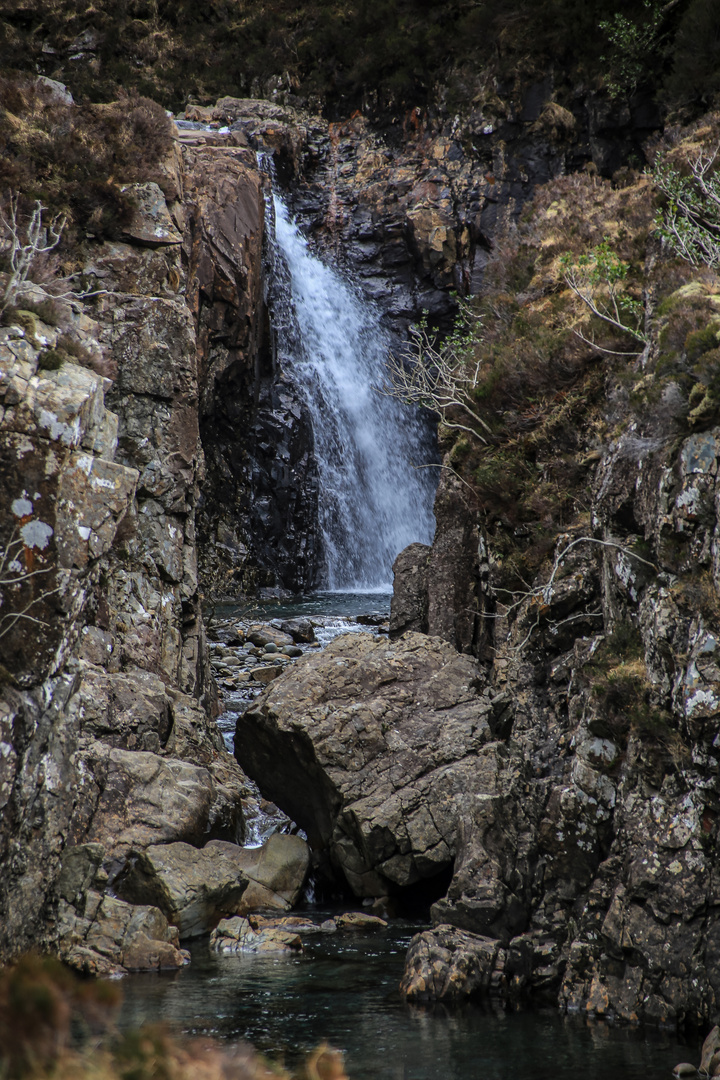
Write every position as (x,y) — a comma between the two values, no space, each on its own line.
(53,1024)
(76,159)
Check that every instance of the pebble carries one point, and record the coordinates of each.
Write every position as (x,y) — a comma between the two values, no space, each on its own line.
(271,647)
(291,650)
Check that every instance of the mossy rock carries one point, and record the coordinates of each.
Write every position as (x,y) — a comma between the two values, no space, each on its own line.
(51,359)
(701,341)
(27,320)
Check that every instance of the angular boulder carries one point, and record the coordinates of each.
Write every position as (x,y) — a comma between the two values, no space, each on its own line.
(237,935)
(111,937)
(368,745)
(276,872)
(195,888)
(447,964)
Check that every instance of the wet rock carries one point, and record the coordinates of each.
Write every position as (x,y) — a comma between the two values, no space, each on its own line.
(193,888)
(300,629)
(266,675)
(368,747)
(409,604)
(293,651)
(358,920)
(237,935)
(447,964)
(264,634)
(684,1069)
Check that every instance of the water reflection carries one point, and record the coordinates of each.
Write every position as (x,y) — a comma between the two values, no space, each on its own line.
(343,989)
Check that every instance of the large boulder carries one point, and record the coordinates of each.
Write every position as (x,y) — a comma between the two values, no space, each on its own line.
(110,937)
(276,872)
(196,888)
(446,964)
(368,746)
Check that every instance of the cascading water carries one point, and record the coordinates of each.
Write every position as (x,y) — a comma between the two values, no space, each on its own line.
(373,500)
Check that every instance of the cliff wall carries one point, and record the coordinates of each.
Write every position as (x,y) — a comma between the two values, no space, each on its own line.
(108,704)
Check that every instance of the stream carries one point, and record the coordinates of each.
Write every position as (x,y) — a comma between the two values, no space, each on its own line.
(343,989)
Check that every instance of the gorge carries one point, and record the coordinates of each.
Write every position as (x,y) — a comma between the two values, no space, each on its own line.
(192,416)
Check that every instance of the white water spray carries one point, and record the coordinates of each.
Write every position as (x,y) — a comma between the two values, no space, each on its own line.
(373,501)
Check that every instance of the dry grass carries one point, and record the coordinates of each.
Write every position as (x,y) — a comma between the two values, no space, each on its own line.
(42,1004)
(75,159)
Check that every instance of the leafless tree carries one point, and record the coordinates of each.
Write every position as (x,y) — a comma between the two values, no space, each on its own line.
(22,244)
(443,378)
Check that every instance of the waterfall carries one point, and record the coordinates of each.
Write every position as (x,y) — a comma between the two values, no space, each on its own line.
(373,501)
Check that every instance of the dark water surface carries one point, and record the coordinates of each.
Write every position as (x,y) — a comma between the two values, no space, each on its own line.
(343,990)
(340,604)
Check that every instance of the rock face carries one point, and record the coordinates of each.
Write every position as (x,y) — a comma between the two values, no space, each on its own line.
(106,699)
(587,858)
(408,609)
(368,746)
(258,520)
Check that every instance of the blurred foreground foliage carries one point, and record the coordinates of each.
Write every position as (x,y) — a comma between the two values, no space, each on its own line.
(53,1024)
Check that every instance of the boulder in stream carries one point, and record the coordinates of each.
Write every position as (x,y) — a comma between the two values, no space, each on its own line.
(369,745)
(358,920)
(447,964)
(237,935)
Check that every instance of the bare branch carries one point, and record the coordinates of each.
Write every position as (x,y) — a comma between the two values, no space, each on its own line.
(24,243)
(443,378)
